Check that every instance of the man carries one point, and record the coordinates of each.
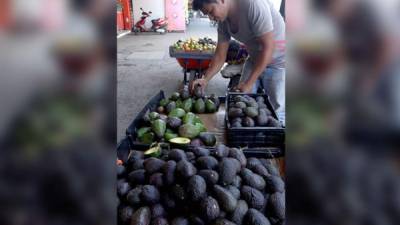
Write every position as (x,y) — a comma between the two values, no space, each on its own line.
(258,25)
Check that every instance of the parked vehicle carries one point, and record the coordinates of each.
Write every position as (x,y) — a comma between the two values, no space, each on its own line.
(158,25)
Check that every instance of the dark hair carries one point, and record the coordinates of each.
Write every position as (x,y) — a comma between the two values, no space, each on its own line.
(198,4)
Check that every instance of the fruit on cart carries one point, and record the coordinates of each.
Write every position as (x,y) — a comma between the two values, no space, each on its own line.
(189,131)
(200,127)
(251,111)
(185,93)
(153,152)
(160,109)
(178,190)
(195,44)
(187,105)
(170,106)
(169,136)
(189,118)
(248,122)
(208,138)
(141,216)
(196,142)
(147,138)
(180,141)
(178,112)
(175,96)
(210,106)
(199,106)
(235,112)
(174,122)
(163,102)
(154,116)
(142,131)
(159,126)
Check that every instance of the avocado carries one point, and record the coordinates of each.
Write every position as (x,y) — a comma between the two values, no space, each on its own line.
(252,162)
(238,154)
(177,155)
(185,169)
(174,122)
(195,220)
(123,188)
(137,177)
(274,184)
(236,124)
(153,165)
(207,163)
(160,221)
(236,120)
(200,151)
(223,222)
(154,115)
(208,138)
(200,127)
(260,99)
(133,196)
(262,120)
(253,197)
(141,216)
(179,104)
(135,155)
(189,118)
(196,142)
(272,169)
(169,136)
(177,112)
(157,210)
(163,102)
(251,179)
(251,111)
(261,170)
(209,209)
(198,91)
(190,156)
(170,107)
(188,131)
(196,187)
(159,126)
(221,151)
(262,105)
(239,98)
(272,122)
(169,172)
(240,105)
(175,96)
(180,221)
(227,171)
(237,182)
(199,106)
(168,201)
(252,103)
(178,192)
(235,112)
(150,194)
(215,99)
(239,213)
(234,191)
(225,198)
(187,105)
(210,176)
(156,180)
(163,117)
(210,106)
(276,205)
(264,111)
(141,131)
(147,138)
(125,214)
(254,217)
(248,122)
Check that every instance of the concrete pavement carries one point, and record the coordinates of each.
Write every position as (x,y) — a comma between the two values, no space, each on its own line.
(145,68)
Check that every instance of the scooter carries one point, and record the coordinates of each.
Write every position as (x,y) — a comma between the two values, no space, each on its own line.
(158,25)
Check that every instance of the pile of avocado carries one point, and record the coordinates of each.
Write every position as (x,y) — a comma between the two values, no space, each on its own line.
(246,111)
(175,118)
(200,187)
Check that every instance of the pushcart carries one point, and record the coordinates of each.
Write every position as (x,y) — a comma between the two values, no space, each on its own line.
(192,62)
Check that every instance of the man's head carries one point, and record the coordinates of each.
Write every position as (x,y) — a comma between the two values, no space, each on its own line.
(215,9)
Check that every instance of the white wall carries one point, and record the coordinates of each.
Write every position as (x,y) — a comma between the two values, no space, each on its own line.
(157,7)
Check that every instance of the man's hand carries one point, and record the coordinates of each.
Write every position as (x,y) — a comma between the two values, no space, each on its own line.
(202,82)
(245,87)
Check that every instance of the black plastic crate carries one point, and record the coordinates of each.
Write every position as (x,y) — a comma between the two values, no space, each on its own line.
(131,131)
(253,136)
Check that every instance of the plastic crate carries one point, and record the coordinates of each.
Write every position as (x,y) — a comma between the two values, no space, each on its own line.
(253,136)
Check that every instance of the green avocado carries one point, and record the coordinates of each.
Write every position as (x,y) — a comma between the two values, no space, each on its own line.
(188,131)
(154,115)
(147,138)
(142,131)
(208,138)
(163,102)
(199,106)
(210,106)
(170,106)
(251,111)
(175,96)
(159,126)
(187,105)
(189,118)
(178,112)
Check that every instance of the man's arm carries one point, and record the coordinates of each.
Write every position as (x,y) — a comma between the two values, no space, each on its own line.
(266,41)
(216,64)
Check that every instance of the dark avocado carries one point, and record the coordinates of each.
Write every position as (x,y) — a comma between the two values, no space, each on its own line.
(253,197)
(150,195)
(207,163)
(210,176)
(196,187)
(225,198)
(141,217)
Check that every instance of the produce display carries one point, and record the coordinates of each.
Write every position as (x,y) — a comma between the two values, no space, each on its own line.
(195,44)
(246,111)
(174,118)
(219,186)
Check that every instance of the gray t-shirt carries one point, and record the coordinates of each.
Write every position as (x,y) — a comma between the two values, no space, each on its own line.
(257,17)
